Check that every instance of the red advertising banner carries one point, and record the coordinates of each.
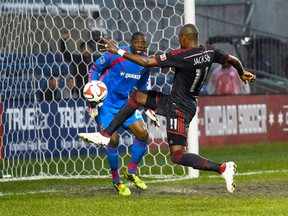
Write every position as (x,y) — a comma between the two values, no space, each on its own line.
(242,119)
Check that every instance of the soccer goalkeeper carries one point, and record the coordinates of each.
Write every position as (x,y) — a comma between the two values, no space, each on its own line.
(121,76)
(192,63)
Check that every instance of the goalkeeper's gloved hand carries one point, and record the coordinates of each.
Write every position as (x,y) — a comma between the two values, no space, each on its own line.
(151,114)
(93,108)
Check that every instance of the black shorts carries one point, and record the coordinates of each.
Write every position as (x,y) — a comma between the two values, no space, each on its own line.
(177,118)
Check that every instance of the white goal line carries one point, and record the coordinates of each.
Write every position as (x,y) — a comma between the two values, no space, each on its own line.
(216,176)
(153,181)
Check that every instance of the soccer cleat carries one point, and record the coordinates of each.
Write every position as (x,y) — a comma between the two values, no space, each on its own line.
(94,138)
(136,180)
(122,189)
(228,175)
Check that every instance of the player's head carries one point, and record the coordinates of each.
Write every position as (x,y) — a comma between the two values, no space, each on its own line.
(188,36)
(138,43)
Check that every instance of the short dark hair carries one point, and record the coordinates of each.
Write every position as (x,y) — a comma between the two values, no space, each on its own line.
(136,34)
(190,30)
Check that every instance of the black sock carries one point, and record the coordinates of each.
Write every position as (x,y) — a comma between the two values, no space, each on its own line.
(195,161)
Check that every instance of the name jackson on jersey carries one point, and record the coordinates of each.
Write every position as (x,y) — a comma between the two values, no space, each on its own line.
(201,59)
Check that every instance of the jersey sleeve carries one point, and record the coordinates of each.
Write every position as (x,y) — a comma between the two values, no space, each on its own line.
(169,60)
(99,66)
(220,57)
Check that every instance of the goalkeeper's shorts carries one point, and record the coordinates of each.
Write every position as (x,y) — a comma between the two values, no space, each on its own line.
(106,115)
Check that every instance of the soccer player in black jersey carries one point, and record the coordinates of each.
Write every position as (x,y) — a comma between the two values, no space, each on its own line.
(192,63)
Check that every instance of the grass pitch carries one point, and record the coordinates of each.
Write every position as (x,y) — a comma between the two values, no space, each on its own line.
(262,189)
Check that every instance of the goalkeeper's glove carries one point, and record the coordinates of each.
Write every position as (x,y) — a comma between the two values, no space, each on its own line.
(151,114)
(93,108)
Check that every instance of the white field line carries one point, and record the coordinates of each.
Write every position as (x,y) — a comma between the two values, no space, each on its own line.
(217,176)
(29,192)
(154,181)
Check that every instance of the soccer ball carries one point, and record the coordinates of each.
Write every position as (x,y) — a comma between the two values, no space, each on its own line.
(95,91)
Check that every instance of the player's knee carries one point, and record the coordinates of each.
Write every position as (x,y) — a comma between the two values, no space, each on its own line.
(176,156)
(133,96)
(114,141)
(143,136)
(140,96)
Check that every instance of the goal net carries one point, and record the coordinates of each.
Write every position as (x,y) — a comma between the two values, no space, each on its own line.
(38,135)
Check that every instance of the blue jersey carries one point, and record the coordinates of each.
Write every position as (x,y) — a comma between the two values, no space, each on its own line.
(120,76)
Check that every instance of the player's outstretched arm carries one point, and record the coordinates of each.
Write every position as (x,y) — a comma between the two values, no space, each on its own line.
(244,75)
(141,60)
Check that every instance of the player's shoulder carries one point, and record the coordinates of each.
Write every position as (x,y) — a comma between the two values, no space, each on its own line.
(211,48)
(177,52)
(208,46)
(126,48)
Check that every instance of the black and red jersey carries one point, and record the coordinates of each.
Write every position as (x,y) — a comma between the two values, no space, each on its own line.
(191,68)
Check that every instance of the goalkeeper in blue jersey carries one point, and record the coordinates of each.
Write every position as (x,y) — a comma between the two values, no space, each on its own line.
(121,76)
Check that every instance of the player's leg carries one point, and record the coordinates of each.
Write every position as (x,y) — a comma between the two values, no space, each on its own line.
(136,99)
(139,147)
(113,157)
(181,157)
(177,132)
(105,115)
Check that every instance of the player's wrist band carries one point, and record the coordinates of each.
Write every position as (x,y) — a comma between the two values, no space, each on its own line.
(121,52)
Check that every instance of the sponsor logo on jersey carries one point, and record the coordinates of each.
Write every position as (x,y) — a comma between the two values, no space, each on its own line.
(102,60)
(201,59)
(163,57)
(132,76)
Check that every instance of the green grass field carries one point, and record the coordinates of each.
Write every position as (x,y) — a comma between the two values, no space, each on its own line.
(262,189)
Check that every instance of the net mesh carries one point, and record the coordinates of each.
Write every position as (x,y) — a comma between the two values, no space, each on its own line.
(39,135)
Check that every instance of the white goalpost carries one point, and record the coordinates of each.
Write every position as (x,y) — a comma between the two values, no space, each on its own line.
(38,137)
(193,142)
